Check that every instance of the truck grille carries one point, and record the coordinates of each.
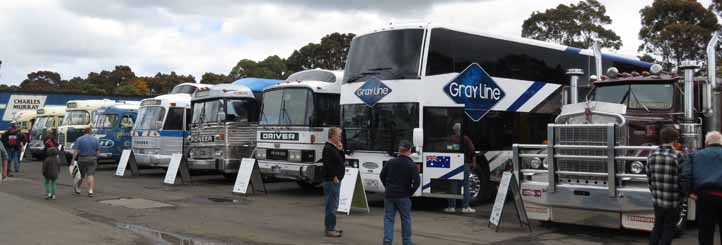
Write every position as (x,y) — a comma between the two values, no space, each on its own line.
(584,136)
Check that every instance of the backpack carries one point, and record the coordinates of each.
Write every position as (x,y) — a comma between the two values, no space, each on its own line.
(13,140)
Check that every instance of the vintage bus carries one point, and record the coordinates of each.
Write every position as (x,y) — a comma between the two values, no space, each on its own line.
(223,129)
(112,126)
(48,119)
(443,88)
(162,126)
(294,124)
(78,115)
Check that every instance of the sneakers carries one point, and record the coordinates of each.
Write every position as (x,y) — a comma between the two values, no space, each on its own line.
(90,193)
(76,190)
(52,197)
(468,210)
(333,234)
(450,210)
(49,196)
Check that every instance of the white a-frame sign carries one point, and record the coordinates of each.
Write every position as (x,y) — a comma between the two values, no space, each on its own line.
(353,195)
(249,175)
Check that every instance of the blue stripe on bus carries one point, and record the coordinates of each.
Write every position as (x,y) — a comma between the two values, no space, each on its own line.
(614,58)
(446,176)
(523,98)
(172,133)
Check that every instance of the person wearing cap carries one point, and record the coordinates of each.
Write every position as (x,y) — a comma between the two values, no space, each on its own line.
(702,178)
(14,142)
(333,169)
(400,178)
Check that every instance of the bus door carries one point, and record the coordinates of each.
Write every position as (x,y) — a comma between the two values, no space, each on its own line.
(443,153)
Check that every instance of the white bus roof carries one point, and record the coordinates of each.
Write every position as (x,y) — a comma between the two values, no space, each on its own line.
(123,105)
(87,104)
(24,116)
(522,40)
(51,110)
(195,85)
(227,90)
(168,100)
(321,84)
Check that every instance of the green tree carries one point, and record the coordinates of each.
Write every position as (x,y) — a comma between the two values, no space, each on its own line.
(329,54)
(272,67)
(572,25)
(676,29)
(41,81)
(213,78)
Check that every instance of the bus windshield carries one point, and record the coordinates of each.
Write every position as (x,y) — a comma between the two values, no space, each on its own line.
(184,89)
(40,122)
(105,120)
(385,55)
(150,117)
(76,118)
(637,96)
(379,128)
(207,111)
(292,106)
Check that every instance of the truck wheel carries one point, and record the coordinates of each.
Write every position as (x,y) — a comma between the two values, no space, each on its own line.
(481,188)
(309,186)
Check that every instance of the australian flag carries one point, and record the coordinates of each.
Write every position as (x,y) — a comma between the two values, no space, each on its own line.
(438,162)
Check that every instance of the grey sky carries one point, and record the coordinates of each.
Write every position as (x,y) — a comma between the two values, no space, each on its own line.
(75,37)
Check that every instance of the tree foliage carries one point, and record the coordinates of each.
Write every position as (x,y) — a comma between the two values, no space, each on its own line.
(272,67)
(329,54)
(572,25)
(676,29)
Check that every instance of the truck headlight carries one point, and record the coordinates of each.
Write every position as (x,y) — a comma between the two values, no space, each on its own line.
(294,156)
(219,153)
(636,167)
(261,154)
(536,162)
(352,163)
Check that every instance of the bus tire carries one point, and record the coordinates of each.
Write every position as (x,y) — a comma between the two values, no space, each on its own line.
(481,187)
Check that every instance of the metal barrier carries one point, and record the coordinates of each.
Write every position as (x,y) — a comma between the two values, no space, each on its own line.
(612,154)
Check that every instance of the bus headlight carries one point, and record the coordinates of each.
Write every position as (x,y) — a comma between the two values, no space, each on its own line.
(636,167)
(535,163)
(294,155)
(261,154)
(545,163)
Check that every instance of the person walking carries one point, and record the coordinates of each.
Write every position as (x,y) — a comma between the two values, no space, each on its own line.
(334,170)
(663,176)
(14,142)
(86,151)
(51,168)
(49,142)
(702,178)
(459,142)
(400,178)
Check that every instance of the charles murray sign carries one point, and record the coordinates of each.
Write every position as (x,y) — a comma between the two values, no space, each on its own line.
(476,90)
(18,103)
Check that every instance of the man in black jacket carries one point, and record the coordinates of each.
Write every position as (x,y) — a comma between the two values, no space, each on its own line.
(400,178)
(334,170)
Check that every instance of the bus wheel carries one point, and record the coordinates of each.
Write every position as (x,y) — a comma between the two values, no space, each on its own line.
(481,188)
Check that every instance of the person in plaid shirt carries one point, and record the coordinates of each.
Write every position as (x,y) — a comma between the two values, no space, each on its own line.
(663,175)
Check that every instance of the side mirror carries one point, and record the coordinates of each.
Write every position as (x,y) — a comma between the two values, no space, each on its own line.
(418,138)
(221,116)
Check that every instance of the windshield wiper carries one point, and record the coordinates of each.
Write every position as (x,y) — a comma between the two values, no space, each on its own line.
(637,99)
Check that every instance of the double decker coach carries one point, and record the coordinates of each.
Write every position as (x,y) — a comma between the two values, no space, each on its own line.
(436,86)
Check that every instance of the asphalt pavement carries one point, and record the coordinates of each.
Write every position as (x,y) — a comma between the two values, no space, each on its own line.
(143,210)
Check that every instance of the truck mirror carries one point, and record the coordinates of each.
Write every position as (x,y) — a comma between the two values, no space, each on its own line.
(418,138)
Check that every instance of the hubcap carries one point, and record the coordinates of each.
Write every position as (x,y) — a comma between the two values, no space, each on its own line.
(474,185)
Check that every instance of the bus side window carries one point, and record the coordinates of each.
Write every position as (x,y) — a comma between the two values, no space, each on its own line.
(174,120)
(50,123)
(442,129)
(126,122)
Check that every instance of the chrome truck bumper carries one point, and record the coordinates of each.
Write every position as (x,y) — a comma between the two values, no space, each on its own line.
(152,160)
(221,165)
(308,172)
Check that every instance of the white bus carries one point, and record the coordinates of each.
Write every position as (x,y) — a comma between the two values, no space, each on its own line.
(422,83)
(48,118)
(294,124)
(162,126)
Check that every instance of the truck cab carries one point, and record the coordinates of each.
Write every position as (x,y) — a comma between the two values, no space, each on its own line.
(112,126)
(48,119)
(77,118)
(295,119)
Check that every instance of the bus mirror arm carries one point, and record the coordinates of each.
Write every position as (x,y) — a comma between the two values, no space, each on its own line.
(418,138)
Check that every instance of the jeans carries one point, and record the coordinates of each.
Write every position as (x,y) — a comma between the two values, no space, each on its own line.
(709,213)
(403,206)
(466,185)
(331,191)
(665,220)
(14,161)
